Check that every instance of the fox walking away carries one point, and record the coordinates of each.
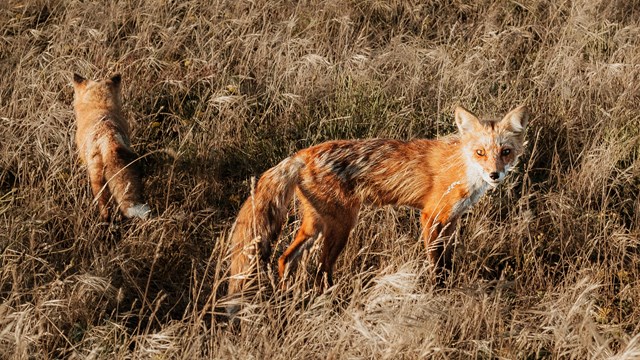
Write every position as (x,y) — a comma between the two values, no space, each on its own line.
(103,143)
(332,180)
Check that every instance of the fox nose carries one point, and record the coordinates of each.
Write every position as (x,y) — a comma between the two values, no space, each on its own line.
(494,175)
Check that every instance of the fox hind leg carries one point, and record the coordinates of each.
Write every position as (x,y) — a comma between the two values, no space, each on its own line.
(305,237)
(336,232)
(331,219)
(101,193)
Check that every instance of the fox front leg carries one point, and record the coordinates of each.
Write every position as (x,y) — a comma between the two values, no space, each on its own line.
(436,236)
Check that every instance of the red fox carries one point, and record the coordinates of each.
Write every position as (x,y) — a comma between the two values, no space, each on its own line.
(103,142)
(443,178)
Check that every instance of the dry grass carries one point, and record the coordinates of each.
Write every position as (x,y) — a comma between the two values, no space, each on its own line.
(546,267)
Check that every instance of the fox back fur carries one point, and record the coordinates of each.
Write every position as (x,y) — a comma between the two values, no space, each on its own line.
(102,138)
(443,178)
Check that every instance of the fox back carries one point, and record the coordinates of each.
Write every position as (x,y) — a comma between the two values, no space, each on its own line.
(102,138)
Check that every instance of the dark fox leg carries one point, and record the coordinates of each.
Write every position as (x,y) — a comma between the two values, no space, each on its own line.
(336,232)
(437,242)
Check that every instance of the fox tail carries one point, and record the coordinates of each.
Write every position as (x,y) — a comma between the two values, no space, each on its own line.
(124,177)
(261,218)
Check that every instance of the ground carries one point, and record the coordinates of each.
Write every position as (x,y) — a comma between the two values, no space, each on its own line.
(546,266)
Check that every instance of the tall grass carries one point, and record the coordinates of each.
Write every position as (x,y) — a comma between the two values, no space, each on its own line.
(547,266)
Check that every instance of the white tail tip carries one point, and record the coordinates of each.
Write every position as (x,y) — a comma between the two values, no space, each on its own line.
(141,211)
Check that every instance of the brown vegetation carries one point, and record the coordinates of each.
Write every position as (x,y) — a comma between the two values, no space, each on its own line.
(547,266)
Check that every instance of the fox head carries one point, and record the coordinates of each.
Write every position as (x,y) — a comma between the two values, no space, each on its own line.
(491,147)
(101,93)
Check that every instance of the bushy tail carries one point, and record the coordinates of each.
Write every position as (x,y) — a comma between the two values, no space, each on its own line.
(261,219)
(124,177)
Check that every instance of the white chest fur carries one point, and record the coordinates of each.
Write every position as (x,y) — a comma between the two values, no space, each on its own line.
(476,188)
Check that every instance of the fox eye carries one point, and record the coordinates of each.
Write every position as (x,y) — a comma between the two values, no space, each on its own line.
(505,152)
(480,152)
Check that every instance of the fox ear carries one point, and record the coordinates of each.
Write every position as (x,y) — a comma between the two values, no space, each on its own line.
(516,120)
(466,121)
(116,78)
(78,80)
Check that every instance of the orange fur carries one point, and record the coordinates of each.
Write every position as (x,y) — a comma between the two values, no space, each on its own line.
(332,180)
(102,138)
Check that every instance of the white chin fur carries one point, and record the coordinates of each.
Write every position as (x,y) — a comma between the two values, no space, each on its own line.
(141,211)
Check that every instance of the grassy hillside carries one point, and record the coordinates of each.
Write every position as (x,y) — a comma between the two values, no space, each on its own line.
(547,266)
